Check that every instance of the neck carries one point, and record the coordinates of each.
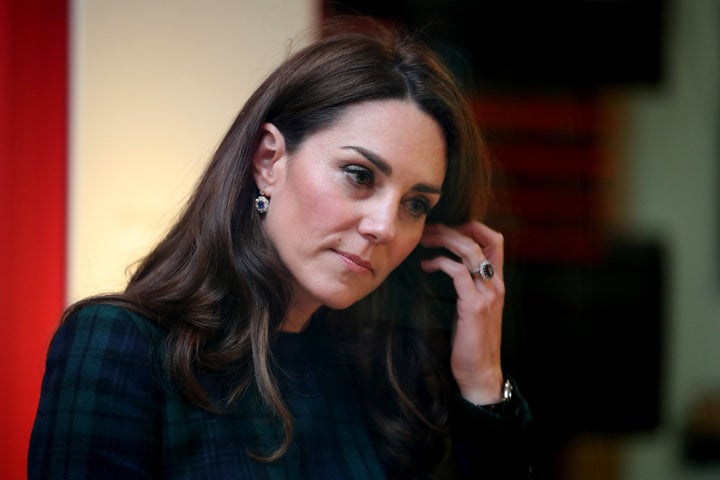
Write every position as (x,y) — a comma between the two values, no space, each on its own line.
(297,318)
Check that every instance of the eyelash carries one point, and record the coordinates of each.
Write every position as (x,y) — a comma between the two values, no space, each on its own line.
(420,207)
(355,171)
(364,178)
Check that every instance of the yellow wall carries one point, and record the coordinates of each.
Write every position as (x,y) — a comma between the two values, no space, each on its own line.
(154,85)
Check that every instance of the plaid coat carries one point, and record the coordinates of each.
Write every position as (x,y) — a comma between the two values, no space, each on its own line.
(107,411)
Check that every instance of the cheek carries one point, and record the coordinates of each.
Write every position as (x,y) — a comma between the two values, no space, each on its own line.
(318,199)
(406,245)
(316,204)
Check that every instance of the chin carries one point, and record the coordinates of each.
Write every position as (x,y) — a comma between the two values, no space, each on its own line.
(340,305)
(340,302)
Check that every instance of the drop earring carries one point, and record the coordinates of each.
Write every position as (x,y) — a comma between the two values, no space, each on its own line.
(262,203)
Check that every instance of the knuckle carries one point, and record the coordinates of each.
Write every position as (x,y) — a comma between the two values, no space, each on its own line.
(478,308)
(477,251)
(498,238)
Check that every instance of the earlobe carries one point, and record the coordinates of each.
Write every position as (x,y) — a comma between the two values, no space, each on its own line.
(266,160)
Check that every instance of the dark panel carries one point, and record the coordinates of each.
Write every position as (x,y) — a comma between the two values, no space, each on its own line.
(532,44)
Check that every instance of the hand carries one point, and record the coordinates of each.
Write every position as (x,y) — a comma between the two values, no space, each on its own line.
(475,357)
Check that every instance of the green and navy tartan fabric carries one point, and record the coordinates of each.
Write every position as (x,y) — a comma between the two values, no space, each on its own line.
(108,412)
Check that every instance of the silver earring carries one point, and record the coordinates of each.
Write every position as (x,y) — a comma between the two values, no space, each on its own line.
(262,203)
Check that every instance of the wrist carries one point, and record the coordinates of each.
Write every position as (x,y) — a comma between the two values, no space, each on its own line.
(489,391)
(507,396)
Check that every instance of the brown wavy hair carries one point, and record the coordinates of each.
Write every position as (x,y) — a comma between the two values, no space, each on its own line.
(216,284)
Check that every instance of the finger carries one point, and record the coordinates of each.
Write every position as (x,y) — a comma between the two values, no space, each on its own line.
(475,299)
(457,243)
(471,244)
(462,280)
(491,241)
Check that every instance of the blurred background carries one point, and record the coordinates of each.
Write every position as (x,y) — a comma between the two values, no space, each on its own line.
(602,119)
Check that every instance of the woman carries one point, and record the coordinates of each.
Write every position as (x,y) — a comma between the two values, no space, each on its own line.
(295,322)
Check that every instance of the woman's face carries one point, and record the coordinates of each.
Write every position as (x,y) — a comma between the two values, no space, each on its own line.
(350,204)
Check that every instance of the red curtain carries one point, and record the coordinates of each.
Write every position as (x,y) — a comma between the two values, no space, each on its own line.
(33,158)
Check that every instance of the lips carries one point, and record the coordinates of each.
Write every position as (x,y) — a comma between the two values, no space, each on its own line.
(355,261)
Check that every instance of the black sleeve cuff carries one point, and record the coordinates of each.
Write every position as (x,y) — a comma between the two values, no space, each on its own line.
(488,442)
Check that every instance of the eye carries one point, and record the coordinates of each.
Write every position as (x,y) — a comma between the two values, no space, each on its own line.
(419,206)
(360,176)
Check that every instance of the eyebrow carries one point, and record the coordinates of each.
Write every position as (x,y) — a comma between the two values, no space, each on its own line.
(386,169)
(373,158)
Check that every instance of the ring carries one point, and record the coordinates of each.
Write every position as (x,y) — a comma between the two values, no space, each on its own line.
(484,271)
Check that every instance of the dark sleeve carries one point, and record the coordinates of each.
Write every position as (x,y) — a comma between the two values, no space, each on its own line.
(97,416)
(492,445)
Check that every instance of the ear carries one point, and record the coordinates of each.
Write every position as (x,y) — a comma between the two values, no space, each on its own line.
(267,160)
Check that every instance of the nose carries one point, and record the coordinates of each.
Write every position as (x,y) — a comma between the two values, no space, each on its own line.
(378,222)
